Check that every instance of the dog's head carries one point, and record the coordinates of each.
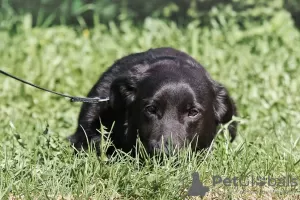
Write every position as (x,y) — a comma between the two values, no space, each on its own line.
(172,102)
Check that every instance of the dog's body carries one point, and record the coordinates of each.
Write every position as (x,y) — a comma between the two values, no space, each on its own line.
(163,95)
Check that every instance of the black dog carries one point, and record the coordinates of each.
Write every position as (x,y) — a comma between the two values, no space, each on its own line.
(164,96)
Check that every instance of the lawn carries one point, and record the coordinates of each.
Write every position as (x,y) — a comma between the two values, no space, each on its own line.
(258,65)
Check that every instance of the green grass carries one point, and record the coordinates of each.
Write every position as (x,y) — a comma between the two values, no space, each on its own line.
(259,66)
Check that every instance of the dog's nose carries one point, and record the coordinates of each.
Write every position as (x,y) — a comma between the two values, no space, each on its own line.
(159,147)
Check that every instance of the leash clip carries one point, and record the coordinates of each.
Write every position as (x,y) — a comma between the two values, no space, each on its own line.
(88,100)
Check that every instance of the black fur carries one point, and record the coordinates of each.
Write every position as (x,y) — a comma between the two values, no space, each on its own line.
(160,92)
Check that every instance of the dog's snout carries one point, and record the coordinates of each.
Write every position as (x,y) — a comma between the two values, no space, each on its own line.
(165,146)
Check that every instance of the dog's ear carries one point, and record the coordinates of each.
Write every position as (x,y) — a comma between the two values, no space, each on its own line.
(224,108)
(122,92)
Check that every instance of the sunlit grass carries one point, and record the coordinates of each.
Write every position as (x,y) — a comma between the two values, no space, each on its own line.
(259,66)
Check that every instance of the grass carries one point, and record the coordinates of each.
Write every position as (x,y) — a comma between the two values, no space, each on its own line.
(259,66)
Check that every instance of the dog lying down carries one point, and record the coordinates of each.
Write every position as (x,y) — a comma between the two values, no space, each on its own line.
(163,96)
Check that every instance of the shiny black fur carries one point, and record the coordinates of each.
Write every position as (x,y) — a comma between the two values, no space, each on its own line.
(164,96)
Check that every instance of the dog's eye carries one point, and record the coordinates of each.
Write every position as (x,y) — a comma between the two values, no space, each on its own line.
(193,112)
(150,109)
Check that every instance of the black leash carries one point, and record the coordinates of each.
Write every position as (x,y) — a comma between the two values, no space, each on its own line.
(72,99)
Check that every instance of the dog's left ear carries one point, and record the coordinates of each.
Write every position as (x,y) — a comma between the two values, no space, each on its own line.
(122,92)
(224,108)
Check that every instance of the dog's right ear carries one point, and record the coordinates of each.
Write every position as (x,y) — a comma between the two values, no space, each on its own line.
(122,92)
(224,108)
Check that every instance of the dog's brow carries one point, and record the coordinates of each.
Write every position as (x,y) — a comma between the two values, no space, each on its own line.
(175,87)
(148,101)
(199,106)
